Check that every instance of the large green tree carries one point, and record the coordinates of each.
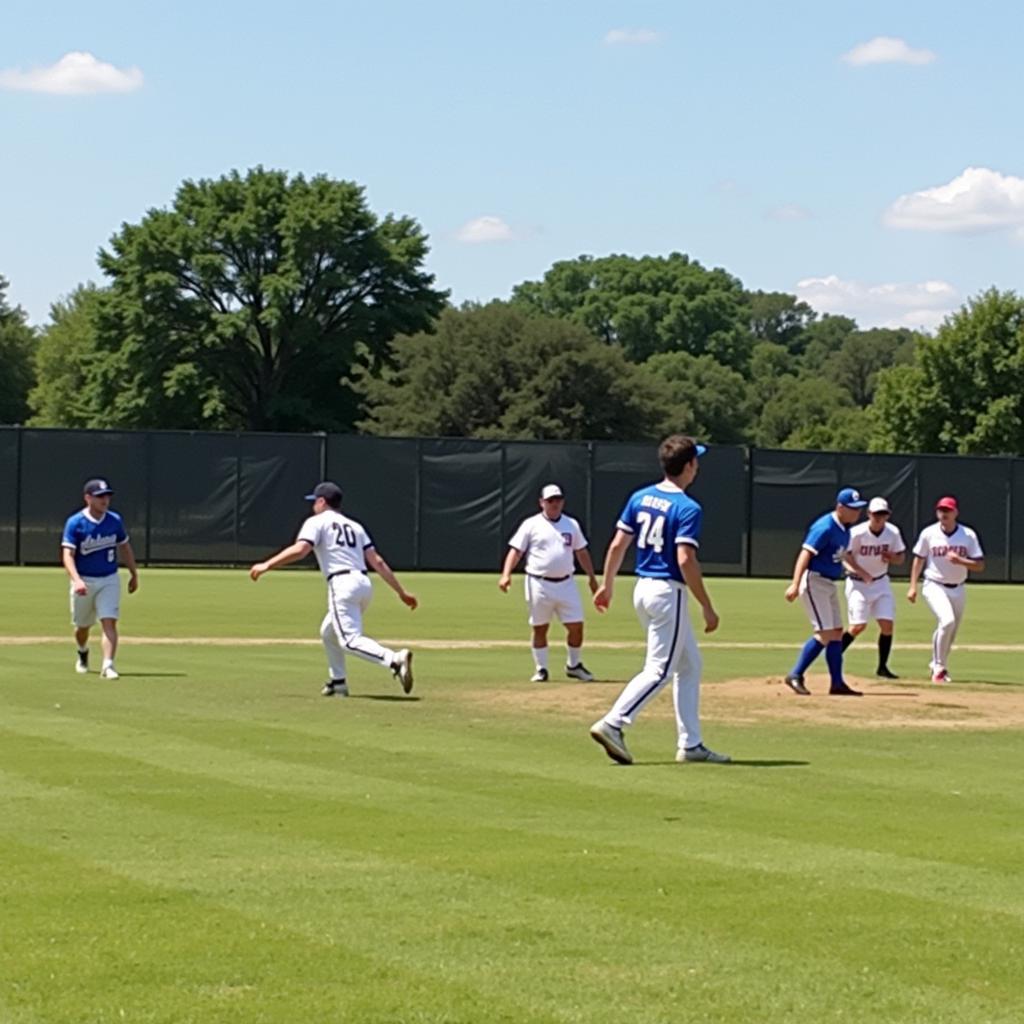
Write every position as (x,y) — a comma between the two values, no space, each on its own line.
(17,354)
(779,318)
(965,391)
(502,371)
(249,301)
(648,305)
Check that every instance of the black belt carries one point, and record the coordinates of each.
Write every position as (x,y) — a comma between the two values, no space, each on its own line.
(345,572)
(948,586)
(874,579)
(550,579)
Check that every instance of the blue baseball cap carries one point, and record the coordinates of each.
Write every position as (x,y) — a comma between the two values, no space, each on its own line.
(850,497)
(330,492)
(701,449)
(96,488)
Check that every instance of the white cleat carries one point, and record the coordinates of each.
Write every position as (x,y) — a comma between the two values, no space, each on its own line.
(612,740)
(109,673)
(579,672)
(335,689)
(402,668)
(702,753)
(82,665)
(540,676)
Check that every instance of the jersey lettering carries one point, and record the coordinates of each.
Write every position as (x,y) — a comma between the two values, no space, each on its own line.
(652,530)
(343,530)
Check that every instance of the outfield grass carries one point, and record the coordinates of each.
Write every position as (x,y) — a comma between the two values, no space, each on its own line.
(207,840)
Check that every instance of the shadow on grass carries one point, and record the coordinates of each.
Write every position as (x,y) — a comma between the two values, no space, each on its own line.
(382,696)
(740,762)
(152,675)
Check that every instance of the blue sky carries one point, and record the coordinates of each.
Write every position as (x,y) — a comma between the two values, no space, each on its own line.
(868,157)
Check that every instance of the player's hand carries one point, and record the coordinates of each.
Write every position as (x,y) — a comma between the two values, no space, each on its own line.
(912,594)
(593,584)
(504,583)
(791,591)
(956,559)
(80,588)
(711,620)
(258,570)
(602,598)
(409,600)
(133,583)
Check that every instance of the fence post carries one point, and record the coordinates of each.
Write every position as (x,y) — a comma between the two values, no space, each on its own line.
(1008,530)
(238,492)
(590,487)
(17,494)
(148,449)
(418,498)
(749,456)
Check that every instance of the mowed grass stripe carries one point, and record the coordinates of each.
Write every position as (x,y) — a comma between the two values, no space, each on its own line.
(455,908)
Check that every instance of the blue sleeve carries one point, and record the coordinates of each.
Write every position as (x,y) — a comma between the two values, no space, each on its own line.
(70,538)
(627,520)
(688,528)
(817,534)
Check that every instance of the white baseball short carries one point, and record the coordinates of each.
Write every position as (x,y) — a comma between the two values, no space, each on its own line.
(820,599)
(547,599)
(867,601)
(102,600)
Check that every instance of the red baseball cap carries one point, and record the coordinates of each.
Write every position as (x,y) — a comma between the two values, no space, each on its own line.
(949,503)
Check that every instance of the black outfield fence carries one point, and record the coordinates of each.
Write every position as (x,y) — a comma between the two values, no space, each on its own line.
(451,504)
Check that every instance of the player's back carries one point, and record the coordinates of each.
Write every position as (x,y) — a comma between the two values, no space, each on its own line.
(339,543)
(661,516)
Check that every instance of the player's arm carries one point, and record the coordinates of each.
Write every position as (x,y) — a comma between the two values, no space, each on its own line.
(293,553)
(689,566)
(803,560)
(128,560)
(853,566)
(587,565)
(512,557)
(379,566)
(970,564)
(612,564)
(895,557)
(915,574)
(67,557)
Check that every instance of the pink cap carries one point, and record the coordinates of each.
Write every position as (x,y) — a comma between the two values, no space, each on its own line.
(949,503)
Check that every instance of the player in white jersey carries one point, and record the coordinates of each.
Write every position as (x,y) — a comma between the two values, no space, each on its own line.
(343,550)
(947,552)
(552,543)
(874,545)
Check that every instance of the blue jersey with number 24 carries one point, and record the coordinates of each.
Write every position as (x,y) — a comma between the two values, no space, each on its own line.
(661,517)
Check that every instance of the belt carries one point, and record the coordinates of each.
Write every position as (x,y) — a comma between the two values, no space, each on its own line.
(948,586)
(549,579)
(345,572)
(874,579)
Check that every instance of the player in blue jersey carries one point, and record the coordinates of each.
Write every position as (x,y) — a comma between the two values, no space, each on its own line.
(665,522)
(819,565)
(93,539)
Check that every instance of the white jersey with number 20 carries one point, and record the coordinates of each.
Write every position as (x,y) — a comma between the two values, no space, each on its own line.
(339,543)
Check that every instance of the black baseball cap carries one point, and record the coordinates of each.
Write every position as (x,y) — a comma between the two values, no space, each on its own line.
(331,493)
(97,487)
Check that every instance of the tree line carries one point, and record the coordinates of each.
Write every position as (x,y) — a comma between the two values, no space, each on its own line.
(263,301)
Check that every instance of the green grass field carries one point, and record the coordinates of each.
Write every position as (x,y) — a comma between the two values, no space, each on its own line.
(208,840)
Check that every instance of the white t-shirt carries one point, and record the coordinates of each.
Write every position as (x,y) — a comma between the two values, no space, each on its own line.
(867,547)
(548,544)
(338,542)
(934,545)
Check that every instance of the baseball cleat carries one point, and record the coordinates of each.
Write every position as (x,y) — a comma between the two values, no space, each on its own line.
(796,684)
(335,688)
(610,737)
(702,753)
(109,672)
(82,663)
(885,673)
(579,672)
(540,676)
(402,669)
(942,676)
(842,690)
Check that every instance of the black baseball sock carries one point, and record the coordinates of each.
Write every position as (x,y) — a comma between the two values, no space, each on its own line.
(884,647)
(848,639)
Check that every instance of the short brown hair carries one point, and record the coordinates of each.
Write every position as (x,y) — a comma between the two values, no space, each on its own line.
(675,453)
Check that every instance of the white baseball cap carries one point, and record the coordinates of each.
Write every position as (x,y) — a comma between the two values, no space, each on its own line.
(551,491)
(878,505)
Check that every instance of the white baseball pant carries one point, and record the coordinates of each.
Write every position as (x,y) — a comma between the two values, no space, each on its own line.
(348,596)
(547,599)
(867,601)
(821,602)
(671,652)
(947,605)
(102,600)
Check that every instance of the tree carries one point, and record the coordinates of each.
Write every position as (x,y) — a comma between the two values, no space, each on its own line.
(822,340)
(965,391)
(64,359)
(501,371)
(647,305)
(855,367)
(17,352)
(248,303)
(779,318)
(796,407)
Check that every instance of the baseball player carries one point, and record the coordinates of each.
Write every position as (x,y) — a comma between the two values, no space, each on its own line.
(93,538)
(666,523)
(550,540)
(875,545)
(824,553)
(343,550)
(947,551)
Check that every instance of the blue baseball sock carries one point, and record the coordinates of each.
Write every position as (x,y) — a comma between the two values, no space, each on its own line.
(810,651)
(834,657)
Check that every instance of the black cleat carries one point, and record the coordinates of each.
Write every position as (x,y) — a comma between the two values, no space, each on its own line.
(796,684)
(842,690)
(335,688)
(884,673)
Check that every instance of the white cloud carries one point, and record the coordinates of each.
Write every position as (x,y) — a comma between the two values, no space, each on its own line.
(631,37)
(75,74)
(789,212)
(485,229)
(978,200)
(923,304)
(886,50)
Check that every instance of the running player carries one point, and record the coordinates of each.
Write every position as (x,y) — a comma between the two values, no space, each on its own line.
(947,551)
(819,564)
(666,523)
(875,545)
(92,540)
(549,540)
(343,550)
